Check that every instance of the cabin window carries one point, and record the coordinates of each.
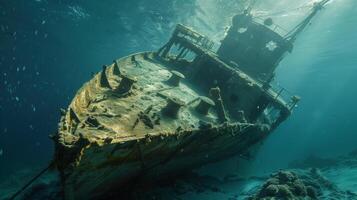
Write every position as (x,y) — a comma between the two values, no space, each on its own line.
(190,56)
(175,50)
(180,52)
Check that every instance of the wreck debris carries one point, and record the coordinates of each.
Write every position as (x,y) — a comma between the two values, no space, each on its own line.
(204,105)
(216,96)
(73,121)
(146,55)
(135,123)
(73,116)
(86,98)
(116,69)
(133,60)
(92,121)
(173,107)
(175,78)
(103,79)
(294,100)
(125,84)
(144,117)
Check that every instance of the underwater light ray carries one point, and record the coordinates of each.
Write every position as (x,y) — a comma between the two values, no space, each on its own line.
(310,72)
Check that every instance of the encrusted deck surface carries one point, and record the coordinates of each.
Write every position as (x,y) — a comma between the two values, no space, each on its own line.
(117,115)
(108,138)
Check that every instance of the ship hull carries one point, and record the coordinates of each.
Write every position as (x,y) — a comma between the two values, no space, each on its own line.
(109,141)
(113,169)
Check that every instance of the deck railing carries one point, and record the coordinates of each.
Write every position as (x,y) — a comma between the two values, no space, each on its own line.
(284,95)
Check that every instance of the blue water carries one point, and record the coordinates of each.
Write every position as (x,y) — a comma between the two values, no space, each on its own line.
(48,49)
(322,69)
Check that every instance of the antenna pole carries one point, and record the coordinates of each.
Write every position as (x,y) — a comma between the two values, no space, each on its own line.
(292,35)
(251,5)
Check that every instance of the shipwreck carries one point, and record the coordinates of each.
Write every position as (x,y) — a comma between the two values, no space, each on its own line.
(157,114)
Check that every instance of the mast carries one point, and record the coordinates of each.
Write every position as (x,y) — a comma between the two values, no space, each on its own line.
(251,5)
(293,34)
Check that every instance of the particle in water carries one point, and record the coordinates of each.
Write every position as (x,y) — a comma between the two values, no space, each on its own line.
(1,152)
(33,108)
(17,98)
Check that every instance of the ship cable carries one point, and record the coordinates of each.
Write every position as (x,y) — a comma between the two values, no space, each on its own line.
(281,12)
(43,171)
(292,35)
(251,5)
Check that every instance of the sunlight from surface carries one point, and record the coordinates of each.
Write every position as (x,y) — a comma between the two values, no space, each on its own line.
(322,70)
